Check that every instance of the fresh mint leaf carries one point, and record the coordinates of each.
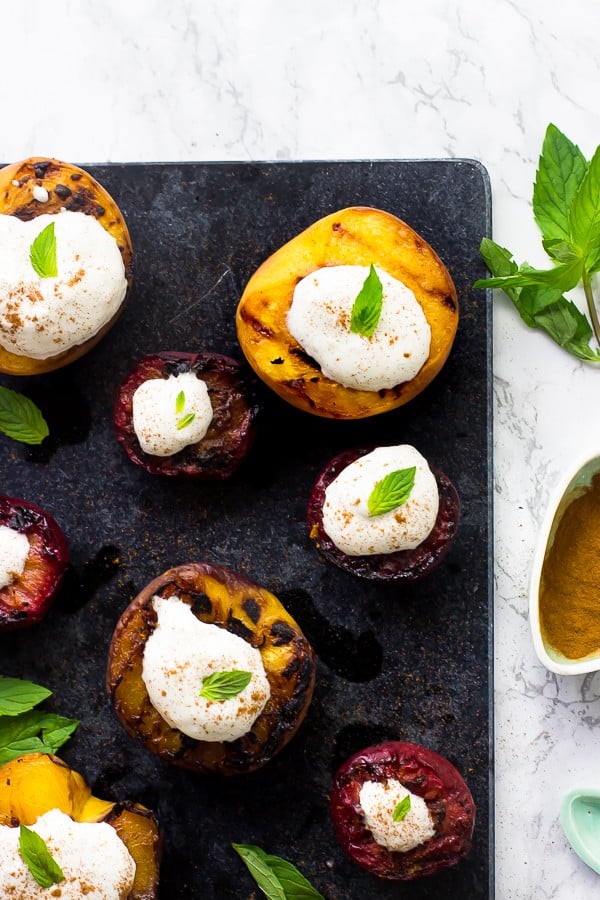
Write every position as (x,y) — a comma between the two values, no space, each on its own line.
(366,310)
(20,418)
(42,253)
(392,491)
(33,732)
(584,214)
(498,259)
(402,809)
(564,277)
(533,299)
(277,878)
(19,696)
(36,856)
(568,326)
(560,251)
(561,169)
(186,420)
(224,685)
(179,403)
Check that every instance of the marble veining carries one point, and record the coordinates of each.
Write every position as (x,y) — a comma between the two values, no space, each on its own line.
(185,80)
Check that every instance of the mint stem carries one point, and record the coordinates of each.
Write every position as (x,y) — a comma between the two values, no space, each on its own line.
(589,296)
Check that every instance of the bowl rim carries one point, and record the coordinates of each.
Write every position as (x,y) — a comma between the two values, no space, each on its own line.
(579,666)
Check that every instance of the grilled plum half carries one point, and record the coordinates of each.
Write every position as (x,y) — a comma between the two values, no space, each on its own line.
(424,773)
(224,598)
(34,784)
(231,432)
(402,566)
(28,598)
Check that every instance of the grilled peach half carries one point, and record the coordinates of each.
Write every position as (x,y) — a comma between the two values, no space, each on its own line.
(34,784)
(224,598)
(353,236)
(73,189)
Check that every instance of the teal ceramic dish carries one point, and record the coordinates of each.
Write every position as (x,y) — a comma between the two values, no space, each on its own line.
(580,817)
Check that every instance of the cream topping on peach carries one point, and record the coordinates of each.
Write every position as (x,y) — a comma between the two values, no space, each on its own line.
(379,800)
(319,319)
(41,317)
(94,861)
(180,653)
(171,413)
(14,549)
(346,517)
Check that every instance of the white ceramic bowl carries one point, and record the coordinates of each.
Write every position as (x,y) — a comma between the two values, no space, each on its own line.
(576,479)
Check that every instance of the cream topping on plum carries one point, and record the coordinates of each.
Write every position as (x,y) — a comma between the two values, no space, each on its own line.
(14,549)
(379,800)
(41,317)
(346,518)
(180,653)
(171,413)
(94,861)
(319,319)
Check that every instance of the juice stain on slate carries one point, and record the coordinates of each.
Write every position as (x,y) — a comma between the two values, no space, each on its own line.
(66,411)
(79,587)
(356,659)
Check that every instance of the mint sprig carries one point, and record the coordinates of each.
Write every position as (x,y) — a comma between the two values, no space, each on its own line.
(20,418)
(392,491)
(42,253)
(225,685)
(277,878)
(18,696)
(24,729)
(366,310)
(566,206)
(402,809)
(36,856)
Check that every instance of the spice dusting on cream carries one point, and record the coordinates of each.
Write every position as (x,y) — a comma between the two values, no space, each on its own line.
(171,413)
(95,862)
(378,801)
(319,319)
(42,317)
(179,654)
(14,549)
(346,518)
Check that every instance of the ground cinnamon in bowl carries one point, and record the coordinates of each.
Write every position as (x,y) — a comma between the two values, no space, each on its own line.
(569,590)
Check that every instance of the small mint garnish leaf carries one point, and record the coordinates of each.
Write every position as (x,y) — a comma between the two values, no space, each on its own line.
(366,310)
(42,253)
(392,491)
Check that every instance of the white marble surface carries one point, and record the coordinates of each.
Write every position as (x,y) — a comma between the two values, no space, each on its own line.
(269,79)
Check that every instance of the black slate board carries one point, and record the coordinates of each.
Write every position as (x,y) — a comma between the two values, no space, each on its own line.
(411,664)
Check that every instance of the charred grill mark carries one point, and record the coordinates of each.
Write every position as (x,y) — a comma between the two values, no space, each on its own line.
(62,191)
(76,176)
(282,633)
(277,362)
(201,604)
(305,358)
(237,627)
(41,168)
(252,609)
(295,383)
(256,325)
(450,302)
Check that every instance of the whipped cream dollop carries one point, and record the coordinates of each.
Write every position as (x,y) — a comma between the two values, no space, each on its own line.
(378,800)
(319,319)
(179,654)
(157,419)
(14,549)
(346,518)
(95,862)
(41,317)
